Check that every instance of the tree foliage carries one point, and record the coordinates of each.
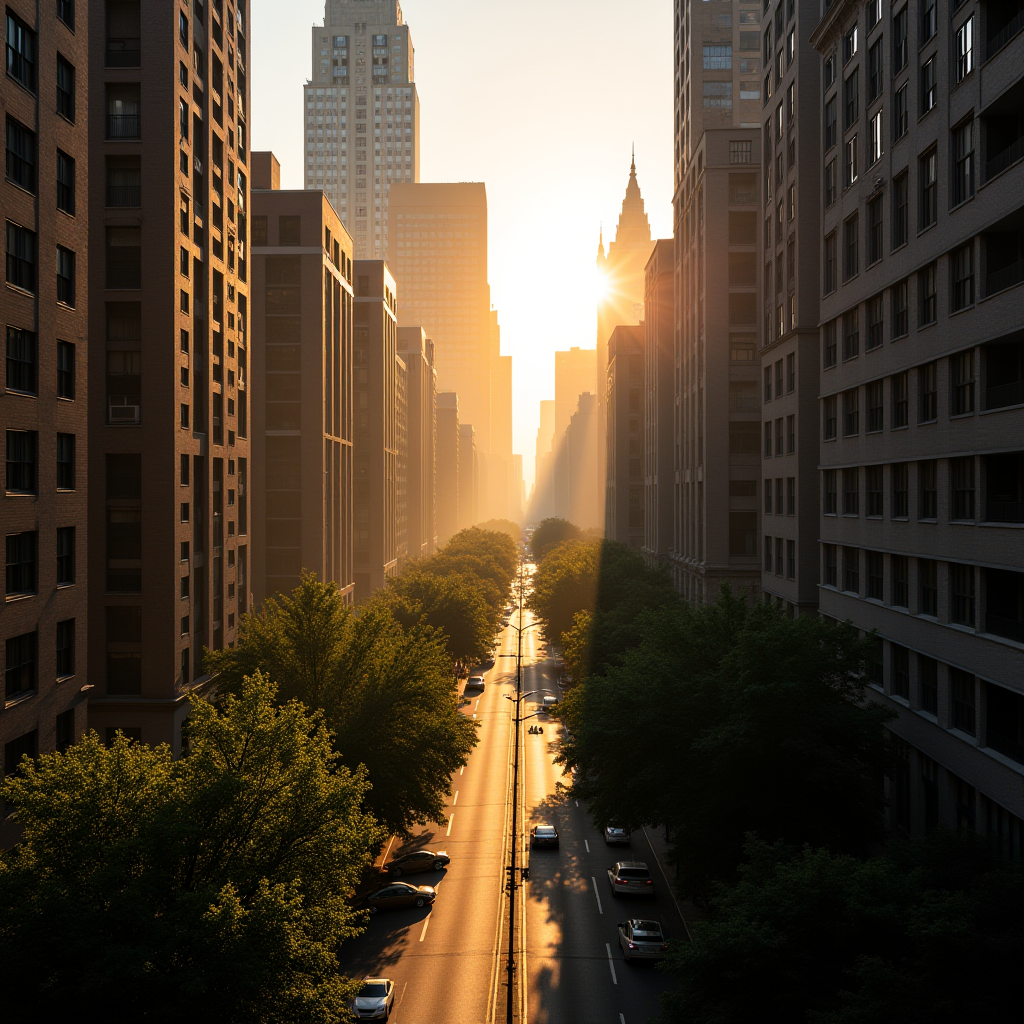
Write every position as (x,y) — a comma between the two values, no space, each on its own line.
(929,934)
(512,530)
(145,887)
(725,720)
(549,534)
(387,692)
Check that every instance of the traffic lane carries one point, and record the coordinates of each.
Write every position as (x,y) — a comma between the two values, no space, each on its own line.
(410,946)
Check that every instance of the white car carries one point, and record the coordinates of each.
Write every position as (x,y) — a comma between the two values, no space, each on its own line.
(549,702)
(376,999)
(475,683)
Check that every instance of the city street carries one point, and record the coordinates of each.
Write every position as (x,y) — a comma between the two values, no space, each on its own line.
(448,962)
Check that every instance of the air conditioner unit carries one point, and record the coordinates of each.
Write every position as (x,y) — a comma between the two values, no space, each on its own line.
(124,414)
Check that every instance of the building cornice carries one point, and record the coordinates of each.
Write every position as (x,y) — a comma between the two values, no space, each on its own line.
(831,23)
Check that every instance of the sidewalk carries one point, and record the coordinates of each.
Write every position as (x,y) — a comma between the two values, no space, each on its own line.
(688,911)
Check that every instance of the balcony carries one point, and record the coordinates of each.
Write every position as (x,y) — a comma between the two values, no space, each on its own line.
(123,273)
(124,53)
(124,195)
(1005,20)
(1004,601)
(999,625)
(1003,251)
(998,163)
(1005,277)
(123,126)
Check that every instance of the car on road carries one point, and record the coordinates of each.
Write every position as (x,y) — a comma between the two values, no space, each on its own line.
(630,878)
(376,999)
(615,836)
(543,835)
(641,939)
(418,860)
(400,894)
(475,682)
(548,702)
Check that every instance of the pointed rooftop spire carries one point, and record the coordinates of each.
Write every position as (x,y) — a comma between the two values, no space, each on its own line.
(634,230)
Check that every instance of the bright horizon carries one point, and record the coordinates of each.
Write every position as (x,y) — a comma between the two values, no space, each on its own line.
(543,107)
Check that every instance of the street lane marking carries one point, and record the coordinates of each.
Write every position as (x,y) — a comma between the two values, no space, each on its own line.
(474,714)
(611,964)
(600,909)
(426,921)
(622,1019)
(587,845)
(462,769)
(577,803)
(456,800)
(477,704)
(450,820)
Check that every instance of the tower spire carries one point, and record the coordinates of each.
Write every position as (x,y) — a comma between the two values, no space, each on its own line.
(633,230)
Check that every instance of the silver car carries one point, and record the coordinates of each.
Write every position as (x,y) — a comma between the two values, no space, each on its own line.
(642,940)
(615,836)
(376,999)
(630,878)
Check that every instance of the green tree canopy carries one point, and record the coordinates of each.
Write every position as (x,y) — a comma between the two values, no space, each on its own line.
(732,720)
(512,530)
(931,933)
(565,583)
(145,887)
(550,533)
(388,694)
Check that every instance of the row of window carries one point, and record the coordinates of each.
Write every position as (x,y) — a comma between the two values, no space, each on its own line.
(21,663)
(21,166)
(22,58)
(780,436)
(790,378)
(22,462)
(22,259)
(780,557)
(23,364)
(23,561)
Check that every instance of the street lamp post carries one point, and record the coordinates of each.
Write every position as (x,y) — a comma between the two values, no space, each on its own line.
(517,719)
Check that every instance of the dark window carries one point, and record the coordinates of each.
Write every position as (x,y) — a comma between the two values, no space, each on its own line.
(65,462)
(928,490)
(899,299)
(851,246)
(961,685)
(21,156)
(19,668)
(900,400)
(65,370)
(1004,604)
(928,188)
(851,412)
(828,344)
(962,272)
(927,587)
(961,472)
(829,418)
(22,575)
(963,383)
(851,151)
(66,12)
(259,230)
(830,183)
(928,20)
(851,333)
(927,296)
(831,566)
(289,231)
(875,230)
(124,550)
(21,52)
(64,733)
(900,208)
(875,318)
(899,683)
(875,486)
(851,492)
(963,162)
(831,269)
(900,581)
(900,112)
(65,182)
(65,556)
(928,683)
(927,89)
(851,99)
(830,123)
(65,653)
(65,276)
(790,495)
(961,588)
(874,573)
(743,533)
(21,462)
(875,70)
(851,570)
(899,41)
(1004,722)
(65,89)
(900,490)
(21,257)
(22,366)
(830,496)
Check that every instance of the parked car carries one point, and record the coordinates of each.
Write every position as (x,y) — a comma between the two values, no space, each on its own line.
(548,702)
(543,835)
(642,940)
(630,878)
(615,836)
(400,894)
(475,682)
(376,999)
(418,860)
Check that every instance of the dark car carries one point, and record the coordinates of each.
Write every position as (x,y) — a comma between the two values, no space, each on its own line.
(418,860)
(400,894)
(543,835)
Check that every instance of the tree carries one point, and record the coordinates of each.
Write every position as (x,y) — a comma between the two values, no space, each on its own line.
(931,933)
(549,534)
(565,583)
(748,721)
(387,693)
(506,526)
(144,886)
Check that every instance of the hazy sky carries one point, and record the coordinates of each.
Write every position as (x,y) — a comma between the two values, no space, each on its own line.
(539,100)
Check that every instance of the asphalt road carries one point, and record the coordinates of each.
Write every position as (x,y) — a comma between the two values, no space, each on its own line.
(447,961)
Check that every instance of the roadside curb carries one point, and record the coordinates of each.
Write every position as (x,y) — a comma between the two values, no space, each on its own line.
(668,884)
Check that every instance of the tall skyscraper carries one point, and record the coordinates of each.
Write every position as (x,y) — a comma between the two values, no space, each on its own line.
(437,248)
(168,367)
(624,393)
(44,402)
(417,352)
(362,115)
(447,466)
(575,371)
(542,500)
(301,475)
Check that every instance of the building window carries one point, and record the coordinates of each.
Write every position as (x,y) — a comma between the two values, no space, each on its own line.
(829,418)
(875,316)
(900,581)
(65,89)
(899,299)
(961,686)
(874,230)
(66,12)
(963,162)
(961,472)
(927,587)
(899,41)
(779,440)
(875,70)
(928,490)
(830,504)
(21,257)
(850,44)
(900,114)
(65,183)
(21,52)
(65,276)
(875,141)
(831,566)
(718,94)
(20,667)
(965,49)
(790,559)
(851,99)
(873,478)
(65,370)
(852,173)
(928,20)
(830,269)
(21,156)
(22,551)
(790,495)
(831,123)
(828,344)
(851,333)
(961,585)
(768,439)
(768,496)
(928,209)
(767,554)
(851,492)
(927,296)
(21,462)
(851,570)
(962,267)
(900,206)
(875,406)
(928,684)
(65,462)
(718,58)
(899,683)
(790,435)
(65,660)
(963,383)
(22,366)
(851,247)
(900,476)
(830,183)
(927,88)
(739,151)
(65,556)
(791,373)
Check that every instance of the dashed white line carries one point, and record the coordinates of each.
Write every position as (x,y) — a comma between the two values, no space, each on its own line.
(456,800)
(577,803)
(462,769)
(474,714)
(600,909)
(622,1019)
(423,933)
(587,845)
(611,964)
(451,818)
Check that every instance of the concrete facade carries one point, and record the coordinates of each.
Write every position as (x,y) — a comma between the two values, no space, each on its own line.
(447,488)
(302,499)
(922,392)
(168,370)
(416,350)
(44,401)
(624,517)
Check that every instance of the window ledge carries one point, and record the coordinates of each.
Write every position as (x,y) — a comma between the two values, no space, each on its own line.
(20,290)
(1003,759)
(927,715)
(13,702)
(1000,408)
(1001,526)
(965,736)
(13,598)
(64,679)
